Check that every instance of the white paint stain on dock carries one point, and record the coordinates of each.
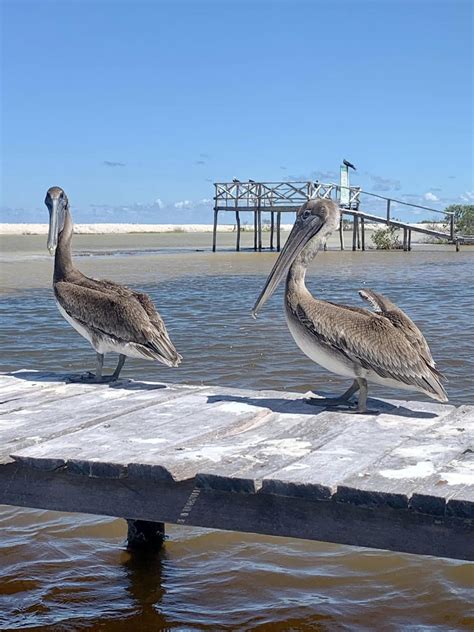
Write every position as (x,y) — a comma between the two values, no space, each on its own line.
(290,447)
(422,469)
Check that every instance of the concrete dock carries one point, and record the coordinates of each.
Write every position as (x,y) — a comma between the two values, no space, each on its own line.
(254,461)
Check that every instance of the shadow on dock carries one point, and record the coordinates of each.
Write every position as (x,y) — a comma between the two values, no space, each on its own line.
(125,384)
(283,406)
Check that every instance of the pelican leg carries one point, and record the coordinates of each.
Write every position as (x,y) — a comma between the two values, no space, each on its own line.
(120,364)
(98,378)
(343,400)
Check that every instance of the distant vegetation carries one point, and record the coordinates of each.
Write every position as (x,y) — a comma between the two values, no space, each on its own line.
(386,238)
(463,218)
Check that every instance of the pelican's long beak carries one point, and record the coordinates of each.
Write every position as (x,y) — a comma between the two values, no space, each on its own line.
(53,225)
(302,231)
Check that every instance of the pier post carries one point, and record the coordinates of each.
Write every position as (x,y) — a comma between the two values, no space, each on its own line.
(214,231)
(388,210)
(405,246)
(278,230)
(409,239)
(341,233)
(272,228)
(255,229)
(362,230)
(143,534)
(259,225)
(355,229)
(237,221)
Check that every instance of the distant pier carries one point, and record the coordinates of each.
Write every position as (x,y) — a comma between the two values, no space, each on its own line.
(277,198)
(254,461)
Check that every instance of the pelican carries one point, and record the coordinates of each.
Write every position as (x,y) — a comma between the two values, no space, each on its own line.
(110,316)
(384,347)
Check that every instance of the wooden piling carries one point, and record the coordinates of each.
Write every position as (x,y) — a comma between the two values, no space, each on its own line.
(341,233)
(272,228)
(255,230)
(237,221)
(278,230)
(405,240)
(214,231)
(362,230)
(142,534)
(354,233)
(409,239)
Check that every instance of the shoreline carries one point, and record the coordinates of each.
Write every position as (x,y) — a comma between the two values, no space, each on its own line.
(130,229)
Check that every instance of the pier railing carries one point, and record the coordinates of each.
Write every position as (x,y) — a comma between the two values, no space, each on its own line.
(287,197)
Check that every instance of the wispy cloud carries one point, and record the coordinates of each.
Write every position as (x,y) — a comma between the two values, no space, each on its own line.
(199,162)
(431,197)
(113,163)
(379,183)
(467,196)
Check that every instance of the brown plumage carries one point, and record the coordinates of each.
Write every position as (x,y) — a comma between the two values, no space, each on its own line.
(385,347)
(111,316)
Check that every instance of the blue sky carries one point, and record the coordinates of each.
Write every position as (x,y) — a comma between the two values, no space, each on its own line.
(135,108)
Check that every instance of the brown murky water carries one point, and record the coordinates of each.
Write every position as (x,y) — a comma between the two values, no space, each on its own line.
(72,572)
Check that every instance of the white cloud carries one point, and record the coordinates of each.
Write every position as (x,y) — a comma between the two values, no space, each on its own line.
(183,204)
(431,197)
(468,196)
(159,203)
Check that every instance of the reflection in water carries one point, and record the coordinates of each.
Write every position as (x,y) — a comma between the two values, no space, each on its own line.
(72,572)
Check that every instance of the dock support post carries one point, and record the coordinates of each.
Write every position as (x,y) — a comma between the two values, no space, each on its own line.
(341,233)
(255,229)
(409,239)
(278,230)
(362,230)
(388,210)
(405,246)
(237,221)
(355,230)
(142,534)
(259,224)
(272,228)
(214,231)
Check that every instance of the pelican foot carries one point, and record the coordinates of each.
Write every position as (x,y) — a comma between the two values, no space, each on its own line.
(330,402)
(91,378)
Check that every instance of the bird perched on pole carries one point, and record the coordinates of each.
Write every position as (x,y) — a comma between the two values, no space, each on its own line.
(348,164)
(235,180)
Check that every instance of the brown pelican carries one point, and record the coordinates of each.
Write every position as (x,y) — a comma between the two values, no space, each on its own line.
(385,347)
(110,316)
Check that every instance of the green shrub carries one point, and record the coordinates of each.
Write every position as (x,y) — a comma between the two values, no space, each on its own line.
(386,238)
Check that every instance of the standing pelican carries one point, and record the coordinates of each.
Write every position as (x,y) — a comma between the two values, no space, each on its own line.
(384,347)
(110,316)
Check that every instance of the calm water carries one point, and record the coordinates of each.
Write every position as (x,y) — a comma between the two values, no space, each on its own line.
(72,572)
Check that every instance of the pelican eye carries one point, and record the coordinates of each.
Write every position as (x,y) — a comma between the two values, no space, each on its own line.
(306,213)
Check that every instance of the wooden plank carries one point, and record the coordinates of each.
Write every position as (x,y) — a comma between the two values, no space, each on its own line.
(321,472)
(24,427)
(450,490)
(185,503)
(395,477)
(141,439)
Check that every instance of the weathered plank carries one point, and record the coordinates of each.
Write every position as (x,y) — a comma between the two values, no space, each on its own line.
(30,425)
(322,471)
(185,503)
(263,462)
(398,475)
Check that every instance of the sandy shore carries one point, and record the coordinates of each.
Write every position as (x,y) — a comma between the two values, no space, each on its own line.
(127,229)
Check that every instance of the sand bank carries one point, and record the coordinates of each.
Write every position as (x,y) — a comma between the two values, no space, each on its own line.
(122,229)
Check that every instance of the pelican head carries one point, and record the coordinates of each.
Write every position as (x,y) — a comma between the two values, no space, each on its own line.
(57,203)
(315,221)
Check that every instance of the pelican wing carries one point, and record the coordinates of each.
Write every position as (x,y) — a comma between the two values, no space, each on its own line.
(400,320)
(370,341)
(118,314)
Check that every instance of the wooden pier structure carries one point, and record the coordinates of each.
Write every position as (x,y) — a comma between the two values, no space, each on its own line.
(277,198)
(254,461)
